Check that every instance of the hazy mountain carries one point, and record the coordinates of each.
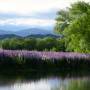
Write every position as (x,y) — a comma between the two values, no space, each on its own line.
(9,36)
(30,36)
(2,32)
(33,31)
(43,36)
(26,32)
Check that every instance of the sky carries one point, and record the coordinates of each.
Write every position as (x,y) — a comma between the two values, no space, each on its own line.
(21,14)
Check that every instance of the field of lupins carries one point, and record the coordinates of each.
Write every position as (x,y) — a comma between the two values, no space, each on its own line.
(22,59)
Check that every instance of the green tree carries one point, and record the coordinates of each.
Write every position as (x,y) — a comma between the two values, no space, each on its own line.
(16,43)
(60,45)
(5,44)
(62,20)
(29,44)
(50,43)
(40,45)
(77,33)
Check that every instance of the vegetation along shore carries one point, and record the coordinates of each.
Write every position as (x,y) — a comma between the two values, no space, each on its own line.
(45,60)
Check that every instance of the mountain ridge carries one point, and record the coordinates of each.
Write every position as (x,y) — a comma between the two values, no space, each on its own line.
(9,36)
(26,32)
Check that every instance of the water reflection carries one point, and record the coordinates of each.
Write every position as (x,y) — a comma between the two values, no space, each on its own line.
(79,84)
(45,83)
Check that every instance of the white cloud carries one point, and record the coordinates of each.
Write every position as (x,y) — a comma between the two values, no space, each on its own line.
(29,8)
(33,6)
(27,21)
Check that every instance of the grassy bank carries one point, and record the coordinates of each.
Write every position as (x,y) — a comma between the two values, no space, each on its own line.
(48,61)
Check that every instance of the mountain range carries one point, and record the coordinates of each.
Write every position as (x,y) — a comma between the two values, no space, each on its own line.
(26,32)
(5,36)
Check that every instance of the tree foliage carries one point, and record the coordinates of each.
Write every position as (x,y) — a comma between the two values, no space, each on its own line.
(45,44)
(77,32)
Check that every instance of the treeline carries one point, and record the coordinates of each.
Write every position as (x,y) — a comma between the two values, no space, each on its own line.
(45,44)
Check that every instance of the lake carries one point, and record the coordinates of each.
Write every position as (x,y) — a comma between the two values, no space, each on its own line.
(45,82)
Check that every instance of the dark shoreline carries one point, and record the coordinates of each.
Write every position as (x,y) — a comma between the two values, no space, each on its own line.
(36,75)
(19,61)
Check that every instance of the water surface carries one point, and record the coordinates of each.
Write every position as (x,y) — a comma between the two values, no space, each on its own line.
(50,82)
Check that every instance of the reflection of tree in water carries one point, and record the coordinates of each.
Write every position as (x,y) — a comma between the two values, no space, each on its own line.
(83,84)
(74,84)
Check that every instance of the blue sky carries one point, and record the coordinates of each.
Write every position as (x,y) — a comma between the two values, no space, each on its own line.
(21,14)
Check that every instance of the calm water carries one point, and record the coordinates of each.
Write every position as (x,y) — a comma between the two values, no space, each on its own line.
(45,83)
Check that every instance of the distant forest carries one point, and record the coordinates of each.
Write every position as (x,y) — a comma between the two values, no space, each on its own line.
(45,44)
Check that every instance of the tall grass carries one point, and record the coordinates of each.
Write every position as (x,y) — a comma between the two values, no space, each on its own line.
(22,59)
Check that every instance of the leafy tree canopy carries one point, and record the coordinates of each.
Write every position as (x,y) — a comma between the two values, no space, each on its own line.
(76,27)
